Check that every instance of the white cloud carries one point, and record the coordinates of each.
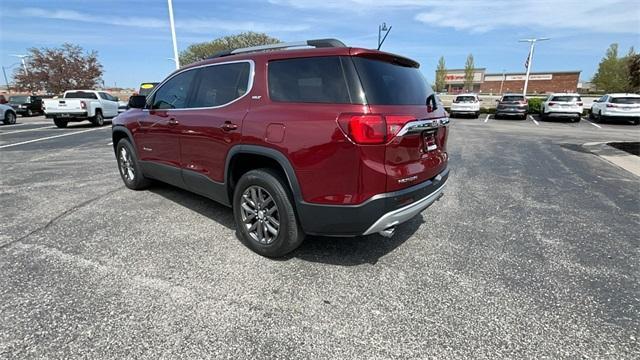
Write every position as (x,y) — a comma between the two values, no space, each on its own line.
(196,26)
(597,16)
(605,16)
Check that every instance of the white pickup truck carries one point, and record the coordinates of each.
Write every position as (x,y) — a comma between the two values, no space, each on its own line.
(79,105)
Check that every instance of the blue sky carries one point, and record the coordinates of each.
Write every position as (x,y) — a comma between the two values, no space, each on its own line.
(133,40)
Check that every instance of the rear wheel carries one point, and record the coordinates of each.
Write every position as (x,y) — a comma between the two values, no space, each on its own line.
(130,169)
(477,114)
(9,118)
(264,214)
(98,119)
(61,123)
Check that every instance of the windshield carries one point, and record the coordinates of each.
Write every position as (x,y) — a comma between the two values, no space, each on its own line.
(513,98)
(625,100)
(19,99)
(465,99)
(80,95)
(566,98)
(385,83)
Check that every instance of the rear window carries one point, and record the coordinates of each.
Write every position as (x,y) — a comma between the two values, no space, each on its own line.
(566,98)
(513,98)
(385,83)
(625,100)
(19,99)
(308,80)
(80,95)
(465,99)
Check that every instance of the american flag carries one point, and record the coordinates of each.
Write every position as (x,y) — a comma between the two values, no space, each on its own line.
(526,63)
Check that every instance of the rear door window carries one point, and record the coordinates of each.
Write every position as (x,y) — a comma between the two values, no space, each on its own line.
(465,99)
(386,83)
(309,80)
(220,84)
(80,95)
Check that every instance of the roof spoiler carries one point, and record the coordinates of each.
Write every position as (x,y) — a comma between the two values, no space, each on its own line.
(316,43)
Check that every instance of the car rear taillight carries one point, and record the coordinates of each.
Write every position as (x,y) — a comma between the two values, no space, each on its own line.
(552,104)
(372,129)
(523,102)
(579,104)
(83,104)
(612,105)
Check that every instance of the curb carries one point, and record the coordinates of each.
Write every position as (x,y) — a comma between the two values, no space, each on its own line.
(628,162)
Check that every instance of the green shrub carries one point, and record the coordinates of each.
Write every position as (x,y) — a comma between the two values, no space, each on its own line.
(535,104)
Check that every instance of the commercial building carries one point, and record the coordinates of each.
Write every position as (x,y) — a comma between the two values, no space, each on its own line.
(497,83)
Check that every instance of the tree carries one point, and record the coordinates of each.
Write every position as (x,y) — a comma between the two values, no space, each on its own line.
(56,70)
(441,72)
(201,51)
(634,72)
(469,69)
(613,72)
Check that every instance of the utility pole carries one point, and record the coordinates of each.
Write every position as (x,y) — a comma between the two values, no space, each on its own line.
(504,75)
(383,28)
(6,81)
(173,35)
(532,43)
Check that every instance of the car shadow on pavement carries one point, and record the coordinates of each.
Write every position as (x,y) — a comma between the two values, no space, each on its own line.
(352,251)
(345,251)
(200,204)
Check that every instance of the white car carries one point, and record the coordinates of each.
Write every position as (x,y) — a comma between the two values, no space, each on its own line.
(468,104)
(562,106)
(79,105)
(618,107)
(7,114)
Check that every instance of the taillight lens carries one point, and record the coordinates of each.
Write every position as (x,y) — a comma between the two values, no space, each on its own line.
(579,104)
(612,105)
(552,104)
(83,104)
(372,129)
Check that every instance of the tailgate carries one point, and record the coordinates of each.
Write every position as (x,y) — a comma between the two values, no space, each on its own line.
(64,105)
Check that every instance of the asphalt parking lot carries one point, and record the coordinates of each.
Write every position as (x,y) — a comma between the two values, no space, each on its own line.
(533,252)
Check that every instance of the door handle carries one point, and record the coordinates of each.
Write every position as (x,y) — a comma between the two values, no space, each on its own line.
(229,126)
(173,122)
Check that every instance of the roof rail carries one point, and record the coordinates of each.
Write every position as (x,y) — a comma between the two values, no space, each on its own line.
(317,43)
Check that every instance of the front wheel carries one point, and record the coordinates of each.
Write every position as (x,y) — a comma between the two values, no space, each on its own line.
(264,214)
(61,123)
(9,118)
(130,169)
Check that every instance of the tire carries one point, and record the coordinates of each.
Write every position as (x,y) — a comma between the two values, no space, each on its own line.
(262,184)
(61,123)
(591,116)
(129,167)
(477,114)
(9,118)
(98,118)
(29,113)
(577,119)
(543,116)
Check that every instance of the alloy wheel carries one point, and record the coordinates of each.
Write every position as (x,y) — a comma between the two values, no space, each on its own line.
(126,166)
(260,215)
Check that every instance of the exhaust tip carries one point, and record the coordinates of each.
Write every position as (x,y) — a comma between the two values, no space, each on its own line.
(388,232)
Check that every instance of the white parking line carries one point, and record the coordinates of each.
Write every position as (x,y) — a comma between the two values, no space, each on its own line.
(534,120)
(19,131)
(52,137)
(486,118)
(594,124)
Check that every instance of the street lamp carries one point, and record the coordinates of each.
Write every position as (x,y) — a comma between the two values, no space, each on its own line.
(383,28)
(173,35)
(24,64)
(530,59)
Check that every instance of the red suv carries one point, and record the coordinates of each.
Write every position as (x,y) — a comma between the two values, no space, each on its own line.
(327,140)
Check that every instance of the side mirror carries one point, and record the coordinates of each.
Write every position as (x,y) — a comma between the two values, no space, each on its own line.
(137,101)
(115,98)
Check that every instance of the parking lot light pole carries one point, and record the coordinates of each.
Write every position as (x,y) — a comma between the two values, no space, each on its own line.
(532,43)
(24,64)
(173,35)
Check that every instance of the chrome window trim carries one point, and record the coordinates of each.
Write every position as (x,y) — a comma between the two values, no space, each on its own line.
(252,72)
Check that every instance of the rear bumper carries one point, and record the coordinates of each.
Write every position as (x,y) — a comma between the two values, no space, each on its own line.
(629,115)
(78,115)
(374,215)
(513,111)
(563,114)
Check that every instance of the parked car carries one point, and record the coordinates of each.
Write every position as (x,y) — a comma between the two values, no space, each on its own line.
(616,107)
(146,88)
(26,105)
(7,114)
(332,140)
(465,104)
(79,105)
(512,105)
(562,106)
